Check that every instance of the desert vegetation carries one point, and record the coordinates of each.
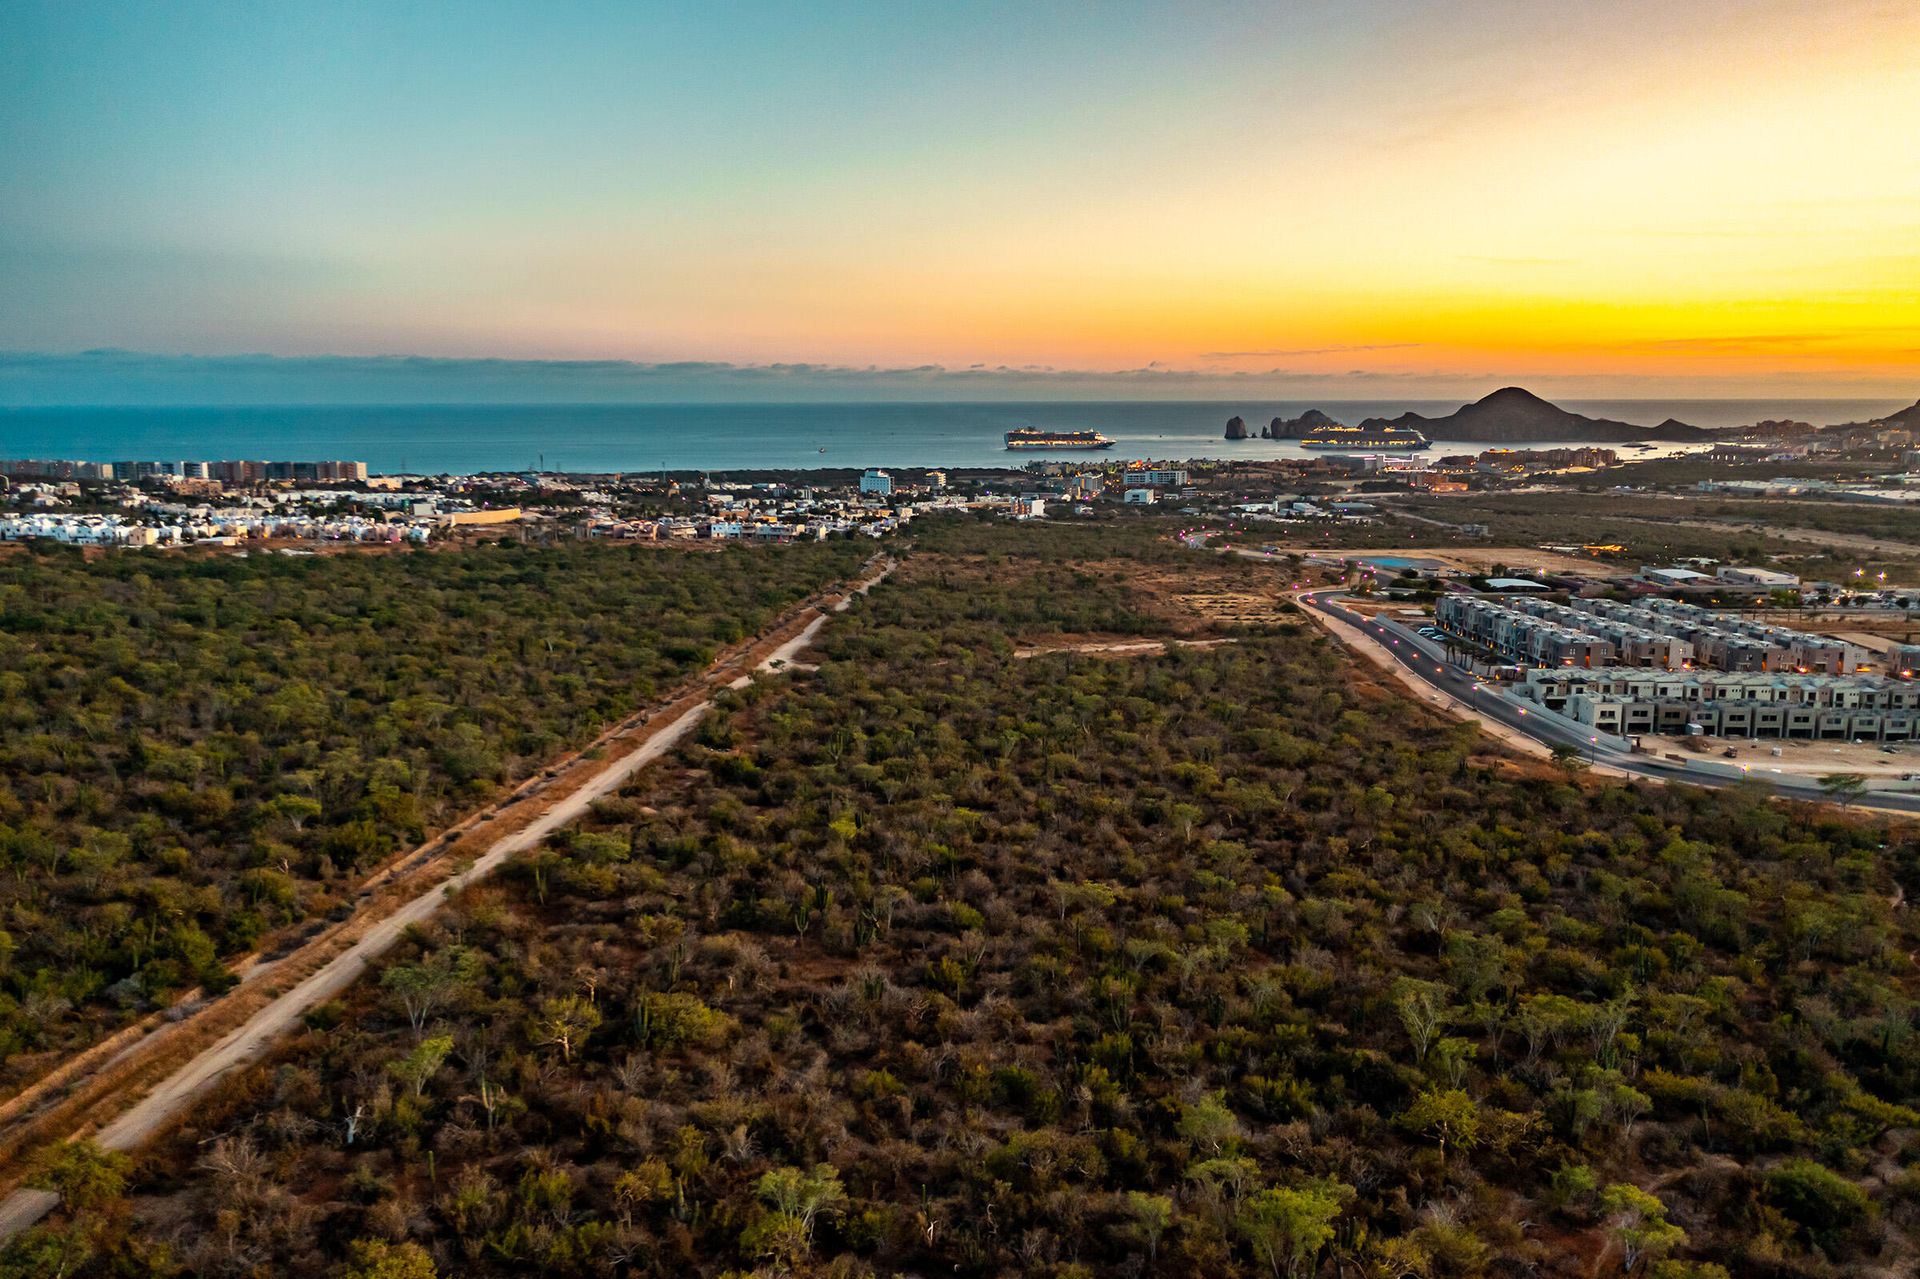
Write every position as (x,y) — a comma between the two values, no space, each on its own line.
(1219,961)
(195,752)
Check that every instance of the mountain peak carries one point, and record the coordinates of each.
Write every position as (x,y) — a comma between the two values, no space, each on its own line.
(1515,414)
(1512,395)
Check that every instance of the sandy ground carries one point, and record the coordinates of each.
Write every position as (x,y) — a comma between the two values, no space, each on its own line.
(1865,639)
(1120,648)
(339,966)
(1807,759)
(1811,536)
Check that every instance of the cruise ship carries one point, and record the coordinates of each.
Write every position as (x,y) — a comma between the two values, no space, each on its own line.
(1029,438)
(1397,438)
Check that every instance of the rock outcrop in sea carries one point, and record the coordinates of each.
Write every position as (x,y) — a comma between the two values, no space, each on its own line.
(1297,428)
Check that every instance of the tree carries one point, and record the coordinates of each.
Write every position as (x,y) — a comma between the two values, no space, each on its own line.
(1568,759)
(417,1068)
(1287,1226)
(797,1199)
(1447,1115)
(50,1252)
(565,1023)
(1843,788)
(1626,1105)
(81,1173)
(1422,1006)
(290,813)
(424,988)
(1150,1215)
(1818,1200)
(651,1182)
(1225,1181)
(1639,1224)
(1209,1125)
(378,1259)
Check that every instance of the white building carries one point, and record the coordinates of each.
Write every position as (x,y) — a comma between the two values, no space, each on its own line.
(1740,575)
(877,481)
(1723,704)
(1672,577)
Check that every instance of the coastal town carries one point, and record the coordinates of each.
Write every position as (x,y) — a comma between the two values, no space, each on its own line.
(1431,494)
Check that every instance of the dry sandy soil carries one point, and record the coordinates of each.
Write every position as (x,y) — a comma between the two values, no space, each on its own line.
(1808,759)
(1115,647)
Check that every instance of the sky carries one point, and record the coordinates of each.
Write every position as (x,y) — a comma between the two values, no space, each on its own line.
(1711,197)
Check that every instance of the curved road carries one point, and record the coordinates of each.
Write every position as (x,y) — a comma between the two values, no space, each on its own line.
(1425,660)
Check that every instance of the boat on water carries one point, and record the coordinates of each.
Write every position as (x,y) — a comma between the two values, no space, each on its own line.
(1402,439)
(1030,438)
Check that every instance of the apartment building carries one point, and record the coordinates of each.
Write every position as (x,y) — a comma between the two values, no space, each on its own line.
(1728,642)
(1539,633)
(1730,704)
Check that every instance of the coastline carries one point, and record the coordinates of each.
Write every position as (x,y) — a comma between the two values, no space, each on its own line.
(434,439)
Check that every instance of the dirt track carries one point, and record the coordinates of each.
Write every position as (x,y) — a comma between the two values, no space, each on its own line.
(1121,648)
(332,961)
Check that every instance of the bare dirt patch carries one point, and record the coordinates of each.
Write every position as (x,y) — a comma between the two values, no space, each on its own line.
(1806,758)
(1233,607)
(1114,647)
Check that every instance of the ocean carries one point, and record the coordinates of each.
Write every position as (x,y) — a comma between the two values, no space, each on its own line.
(718,437)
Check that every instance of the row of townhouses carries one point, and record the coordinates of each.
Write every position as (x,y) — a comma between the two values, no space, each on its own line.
(1728,642)
(1662,634)
(1627,702)
(1538,633)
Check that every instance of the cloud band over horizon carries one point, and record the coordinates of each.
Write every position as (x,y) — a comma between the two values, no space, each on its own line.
(107,378)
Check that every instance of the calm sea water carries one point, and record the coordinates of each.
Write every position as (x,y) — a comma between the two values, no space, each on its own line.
(434,439)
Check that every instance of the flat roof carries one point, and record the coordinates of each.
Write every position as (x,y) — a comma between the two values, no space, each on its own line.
(1515,584)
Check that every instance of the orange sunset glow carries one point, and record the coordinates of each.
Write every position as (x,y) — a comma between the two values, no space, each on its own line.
(1610,198)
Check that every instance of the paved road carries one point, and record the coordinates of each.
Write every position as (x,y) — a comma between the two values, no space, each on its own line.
(1427,661)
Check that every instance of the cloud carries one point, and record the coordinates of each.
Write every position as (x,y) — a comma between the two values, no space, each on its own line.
(1738,342)
(1290,352)
(109,378)
(117,377)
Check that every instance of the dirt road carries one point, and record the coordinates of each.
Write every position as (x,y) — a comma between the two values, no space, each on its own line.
(1122,648)
(139,1123)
